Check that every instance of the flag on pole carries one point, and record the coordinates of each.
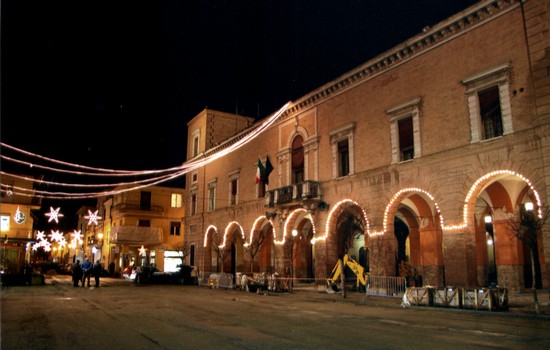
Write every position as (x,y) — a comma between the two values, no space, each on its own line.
(267,170)
(260,171)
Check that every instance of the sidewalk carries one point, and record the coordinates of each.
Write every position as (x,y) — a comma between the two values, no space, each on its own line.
(519,303)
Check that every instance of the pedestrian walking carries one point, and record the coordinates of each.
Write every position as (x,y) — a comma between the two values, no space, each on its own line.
(77,273)
(97,272)
(86,272)
(28,274)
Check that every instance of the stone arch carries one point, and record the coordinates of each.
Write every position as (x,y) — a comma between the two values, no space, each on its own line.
(413,222)
(501,258)
(300,230)
(232,248)
(208,262)
(299,130)
(261,242)
(339,234)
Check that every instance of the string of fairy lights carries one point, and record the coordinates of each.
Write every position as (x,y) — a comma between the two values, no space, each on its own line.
(146,178)
(154,176)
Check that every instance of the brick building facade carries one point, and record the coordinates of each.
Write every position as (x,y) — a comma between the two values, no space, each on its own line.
(398,161)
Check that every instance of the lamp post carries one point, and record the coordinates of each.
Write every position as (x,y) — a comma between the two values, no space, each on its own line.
(490,239)
(294,235)
(531,226)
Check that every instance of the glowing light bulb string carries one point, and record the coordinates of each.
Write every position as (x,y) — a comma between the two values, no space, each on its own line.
(217,153)
(63,184)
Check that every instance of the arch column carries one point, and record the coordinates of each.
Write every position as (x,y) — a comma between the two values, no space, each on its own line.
(459,253)
(431,257)
(508,257)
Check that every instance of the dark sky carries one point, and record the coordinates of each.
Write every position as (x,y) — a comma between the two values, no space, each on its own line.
(113,83)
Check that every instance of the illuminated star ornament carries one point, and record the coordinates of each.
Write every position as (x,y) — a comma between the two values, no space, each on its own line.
(40,236)
(54,215)
(56,236)
(77,236)
(92,217)
(143,251)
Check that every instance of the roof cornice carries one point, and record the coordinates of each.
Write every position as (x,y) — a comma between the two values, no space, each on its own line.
(430,38)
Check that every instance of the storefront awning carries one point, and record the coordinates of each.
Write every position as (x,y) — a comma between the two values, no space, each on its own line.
(136,235)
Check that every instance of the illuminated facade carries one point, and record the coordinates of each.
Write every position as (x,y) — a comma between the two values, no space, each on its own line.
(17,219)
(397,162)
(148,219)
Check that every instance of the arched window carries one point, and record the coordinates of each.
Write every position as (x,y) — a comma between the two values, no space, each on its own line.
(297,160)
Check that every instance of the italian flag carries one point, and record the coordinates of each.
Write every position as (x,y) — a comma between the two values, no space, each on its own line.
(260,171)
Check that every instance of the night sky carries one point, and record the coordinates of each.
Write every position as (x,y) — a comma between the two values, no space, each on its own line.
(113,83)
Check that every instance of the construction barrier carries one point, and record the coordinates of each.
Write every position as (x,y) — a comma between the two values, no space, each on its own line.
(491,299)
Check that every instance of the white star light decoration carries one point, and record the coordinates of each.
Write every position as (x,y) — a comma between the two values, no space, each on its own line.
(92,217)
(143,251)
(55,236)
(40,236)
(54,215)
(77,236)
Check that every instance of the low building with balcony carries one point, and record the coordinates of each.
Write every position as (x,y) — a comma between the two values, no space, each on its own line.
(137,227)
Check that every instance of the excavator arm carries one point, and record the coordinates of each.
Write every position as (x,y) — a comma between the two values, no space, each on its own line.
(357,269)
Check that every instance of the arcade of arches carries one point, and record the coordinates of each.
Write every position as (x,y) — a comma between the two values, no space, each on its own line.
(412,239)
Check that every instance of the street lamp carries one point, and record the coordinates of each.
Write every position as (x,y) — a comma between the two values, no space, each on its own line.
(491,263)
(294,235)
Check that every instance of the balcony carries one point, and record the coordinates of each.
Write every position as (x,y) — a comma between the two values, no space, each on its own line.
(135,235)
(136,207)
(307,191)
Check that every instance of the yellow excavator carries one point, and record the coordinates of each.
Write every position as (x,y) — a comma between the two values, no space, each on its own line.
(359,271)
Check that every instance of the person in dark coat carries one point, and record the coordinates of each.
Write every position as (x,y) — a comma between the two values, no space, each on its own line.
(77,273)
(97,272)
(28,274)
(86,271)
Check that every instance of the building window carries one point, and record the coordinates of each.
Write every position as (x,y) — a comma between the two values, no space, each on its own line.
(192,255)
(144,223)
(177,200)
(193,205)
(488,95)
(405,131)
(4,222)
(212,196)
(234,188)
(342,151)
(195,148)
(489,110)
(343,158)
(145,200)
(298,160)
(233,191)
(192,229)
(194,177)
(175,227)
(406,138)
(261,189)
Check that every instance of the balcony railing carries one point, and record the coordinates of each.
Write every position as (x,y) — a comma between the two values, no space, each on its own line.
(137,206)
(293,193)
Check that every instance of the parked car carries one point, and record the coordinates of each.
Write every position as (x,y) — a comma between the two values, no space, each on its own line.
(152,275)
